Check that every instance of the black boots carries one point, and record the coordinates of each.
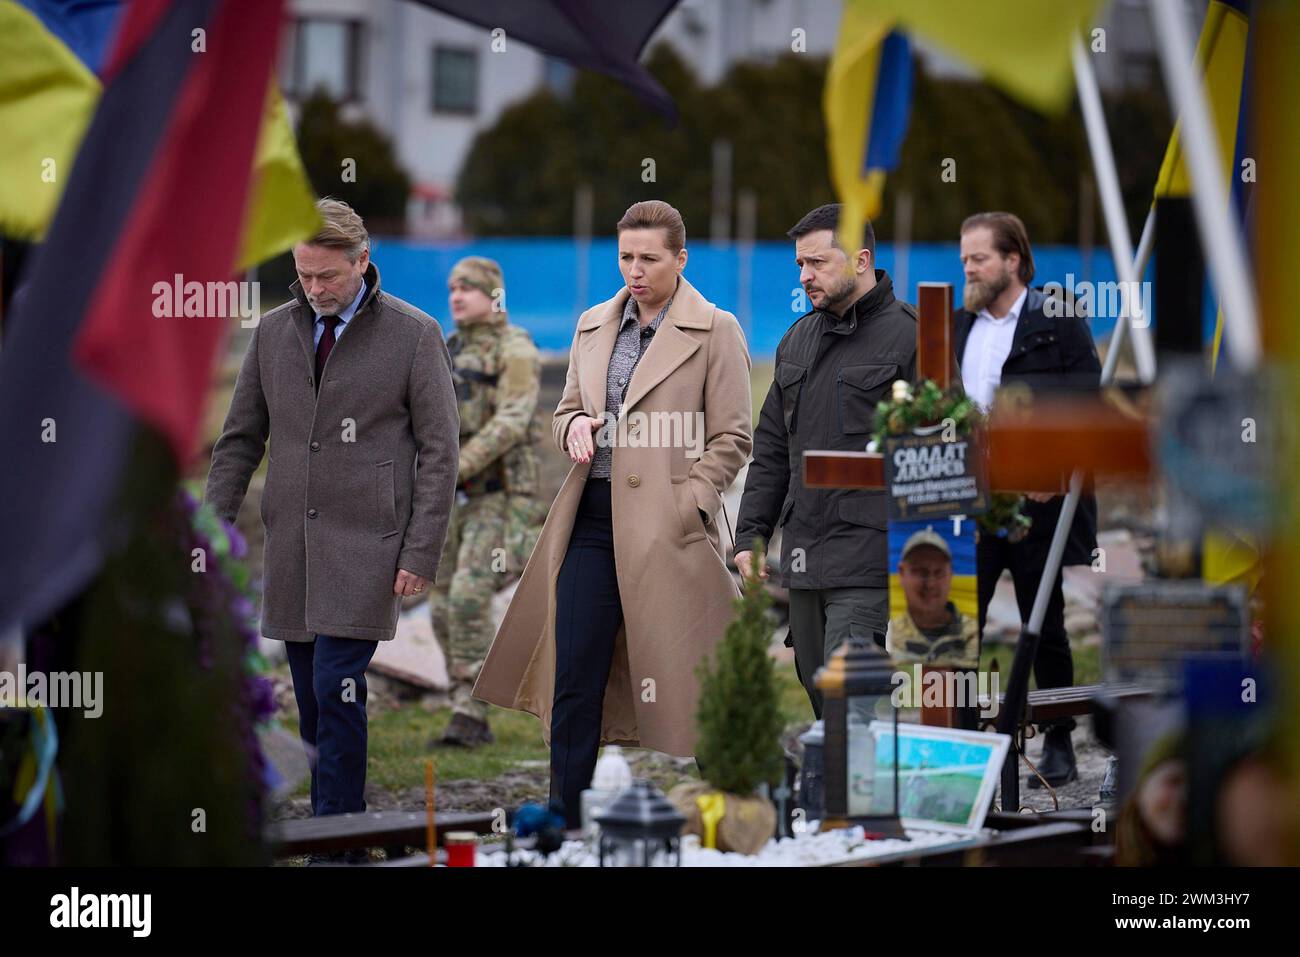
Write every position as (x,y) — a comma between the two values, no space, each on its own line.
(1057,765)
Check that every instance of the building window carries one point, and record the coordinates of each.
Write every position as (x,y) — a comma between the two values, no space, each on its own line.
(327,55)
(455,80)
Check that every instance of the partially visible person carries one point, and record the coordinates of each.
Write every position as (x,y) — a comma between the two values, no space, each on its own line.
(1152,826)
(499,514)
(930,630)
(627,590)
(1004,335)
(355,387)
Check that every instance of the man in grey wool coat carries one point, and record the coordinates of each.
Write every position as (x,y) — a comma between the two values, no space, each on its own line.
(353,387)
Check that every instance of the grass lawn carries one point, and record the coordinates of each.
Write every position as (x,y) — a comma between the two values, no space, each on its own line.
(398,739)
(398,736)
(1087,663)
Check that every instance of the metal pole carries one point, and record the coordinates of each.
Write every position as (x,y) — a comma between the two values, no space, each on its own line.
(1112,202)
(902,244)
(1129,268)
(1220,236)
(720,215)
(582,215)
(746,228)
(1145,245)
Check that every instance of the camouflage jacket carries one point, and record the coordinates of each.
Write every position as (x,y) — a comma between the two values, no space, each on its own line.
(958,646)
(497,372)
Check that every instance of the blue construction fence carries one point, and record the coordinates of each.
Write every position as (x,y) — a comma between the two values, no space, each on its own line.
(550,281)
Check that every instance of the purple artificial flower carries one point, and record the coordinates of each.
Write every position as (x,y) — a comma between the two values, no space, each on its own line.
(238,544)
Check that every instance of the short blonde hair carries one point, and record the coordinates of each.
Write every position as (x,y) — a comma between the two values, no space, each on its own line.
(341,228)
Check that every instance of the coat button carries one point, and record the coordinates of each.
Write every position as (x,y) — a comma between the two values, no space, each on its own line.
(315,446)
(311,513)
(633,480)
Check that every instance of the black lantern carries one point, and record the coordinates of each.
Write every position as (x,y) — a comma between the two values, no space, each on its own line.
(640,829)
(860,784)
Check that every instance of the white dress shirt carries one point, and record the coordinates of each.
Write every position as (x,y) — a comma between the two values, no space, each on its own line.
(987,348)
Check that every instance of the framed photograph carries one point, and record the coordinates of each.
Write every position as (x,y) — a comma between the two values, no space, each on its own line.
(946,776)
(933,593)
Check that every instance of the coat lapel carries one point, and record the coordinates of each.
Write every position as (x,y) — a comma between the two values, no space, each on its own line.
(601,326)
(305,320)
(671,346)
(961,333)
(1028,321)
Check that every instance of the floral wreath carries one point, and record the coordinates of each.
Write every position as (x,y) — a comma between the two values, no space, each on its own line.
(909,411)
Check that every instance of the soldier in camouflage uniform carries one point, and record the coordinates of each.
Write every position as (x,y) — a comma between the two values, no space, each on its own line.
(498,513)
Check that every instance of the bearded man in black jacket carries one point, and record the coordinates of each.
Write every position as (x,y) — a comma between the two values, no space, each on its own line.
(1010,333)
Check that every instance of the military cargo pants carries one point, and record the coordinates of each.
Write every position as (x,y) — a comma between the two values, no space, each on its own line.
(489,539)
(822,618)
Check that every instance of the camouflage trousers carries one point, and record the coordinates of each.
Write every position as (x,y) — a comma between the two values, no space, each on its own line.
(489,539)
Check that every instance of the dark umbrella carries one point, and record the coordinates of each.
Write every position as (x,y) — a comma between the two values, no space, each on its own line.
(591,34)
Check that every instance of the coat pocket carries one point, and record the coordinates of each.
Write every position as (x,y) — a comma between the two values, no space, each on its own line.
(858,389)
(867,510)
(688,513)
(385,500)
(786,509)
(789,379)
(1039,352)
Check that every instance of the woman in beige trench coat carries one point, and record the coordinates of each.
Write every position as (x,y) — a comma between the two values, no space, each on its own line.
(627,588)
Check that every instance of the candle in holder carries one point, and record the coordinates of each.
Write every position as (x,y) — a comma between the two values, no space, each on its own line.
(460,848)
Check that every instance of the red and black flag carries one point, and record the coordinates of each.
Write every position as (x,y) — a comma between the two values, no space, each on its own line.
(159,189)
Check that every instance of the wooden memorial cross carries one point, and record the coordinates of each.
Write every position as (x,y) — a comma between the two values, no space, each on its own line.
(1024,454)
(1026,450)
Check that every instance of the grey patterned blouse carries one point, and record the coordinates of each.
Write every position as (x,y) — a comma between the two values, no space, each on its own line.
(629,347)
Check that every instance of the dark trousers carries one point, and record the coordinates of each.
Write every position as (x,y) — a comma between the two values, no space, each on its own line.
(588,613)
(821,619)
(1053,665)
(329,683)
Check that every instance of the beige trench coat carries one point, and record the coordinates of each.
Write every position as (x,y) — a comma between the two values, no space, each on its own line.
(673,581)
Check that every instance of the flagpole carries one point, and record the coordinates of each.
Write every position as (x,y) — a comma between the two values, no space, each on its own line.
(1145,245)
(1220,236)
(1129,268)
(1112,206)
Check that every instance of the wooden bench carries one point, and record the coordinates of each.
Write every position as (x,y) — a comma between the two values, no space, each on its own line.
(1044,704)
(386,829)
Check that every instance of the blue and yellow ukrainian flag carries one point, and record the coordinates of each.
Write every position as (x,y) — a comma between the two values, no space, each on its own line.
(867,103)
(1223,58)
(1024,48)
(1222,55)
(52,53)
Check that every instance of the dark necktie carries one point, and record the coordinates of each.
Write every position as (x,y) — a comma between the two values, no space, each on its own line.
(324,346)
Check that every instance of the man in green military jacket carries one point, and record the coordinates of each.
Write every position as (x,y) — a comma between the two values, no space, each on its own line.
(498,514)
